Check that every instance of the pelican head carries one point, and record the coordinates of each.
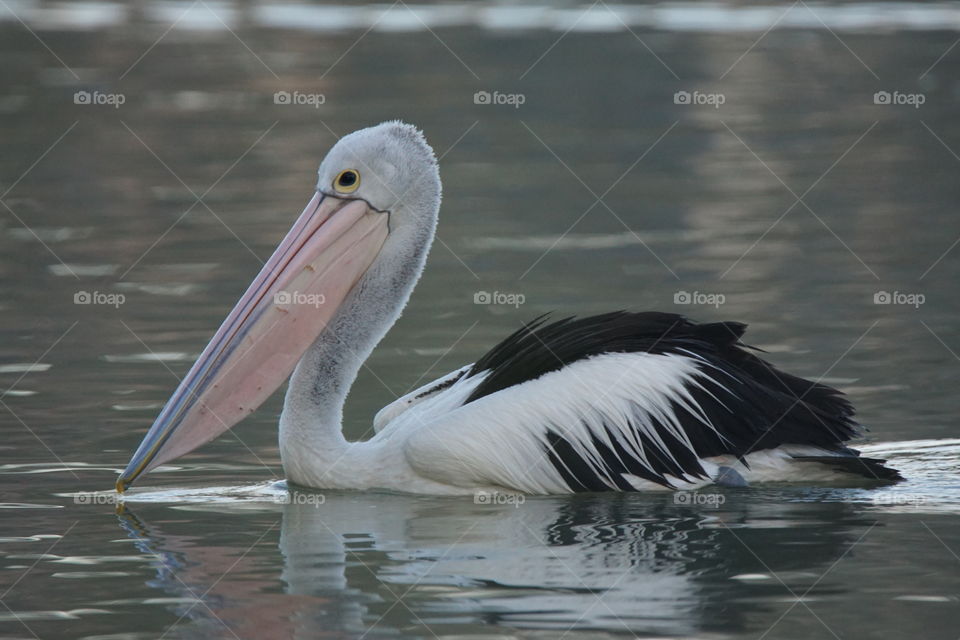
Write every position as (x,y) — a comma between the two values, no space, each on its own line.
(359,246)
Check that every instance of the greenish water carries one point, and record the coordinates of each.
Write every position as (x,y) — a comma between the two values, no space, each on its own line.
(174,198)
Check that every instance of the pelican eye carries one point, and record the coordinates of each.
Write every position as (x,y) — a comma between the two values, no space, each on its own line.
(347,181)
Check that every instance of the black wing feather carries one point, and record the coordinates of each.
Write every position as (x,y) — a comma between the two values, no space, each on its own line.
(751,404)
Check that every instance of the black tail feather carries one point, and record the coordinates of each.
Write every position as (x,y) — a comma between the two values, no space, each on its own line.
(872,468)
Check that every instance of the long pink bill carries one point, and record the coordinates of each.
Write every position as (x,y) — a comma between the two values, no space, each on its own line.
(282,313)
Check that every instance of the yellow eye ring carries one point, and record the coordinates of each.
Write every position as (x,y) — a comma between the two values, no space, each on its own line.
(347,181)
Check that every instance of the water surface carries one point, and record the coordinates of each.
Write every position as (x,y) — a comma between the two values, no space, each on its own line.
(792,206)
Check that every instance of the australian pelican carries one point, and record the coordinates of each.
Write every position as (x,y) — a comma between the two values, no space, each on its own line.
(615,402)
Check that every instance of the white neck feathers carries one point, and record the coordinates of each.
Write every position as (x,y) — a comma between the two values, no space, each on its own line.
(311,440)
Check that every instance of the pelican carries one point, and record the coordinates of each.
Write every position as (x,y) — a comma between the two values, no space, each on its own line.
(622,401)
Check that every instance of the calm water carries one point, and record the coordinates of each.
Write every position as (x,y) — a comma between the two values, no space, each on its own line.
(786,198)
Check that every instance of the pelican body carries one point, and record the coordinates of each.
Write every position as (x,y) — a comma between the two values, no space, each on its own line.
(616,402)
